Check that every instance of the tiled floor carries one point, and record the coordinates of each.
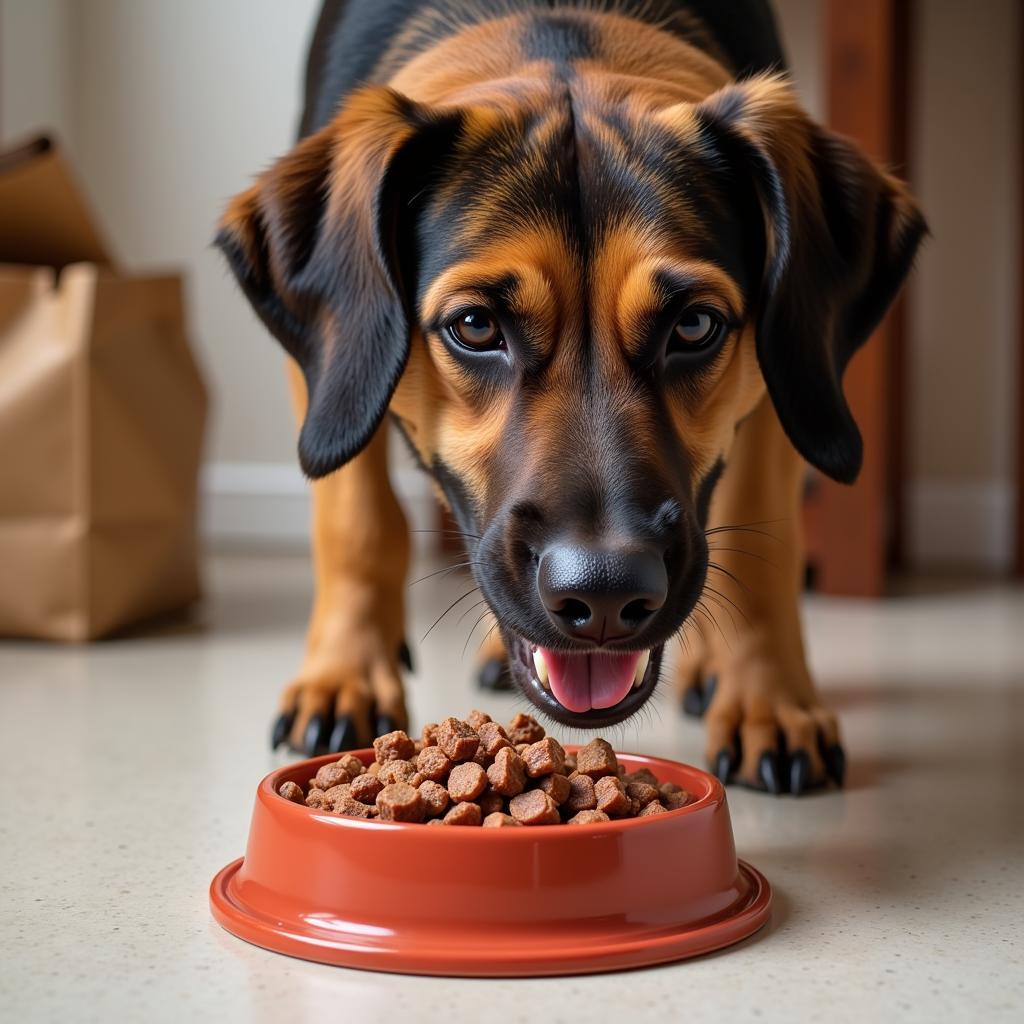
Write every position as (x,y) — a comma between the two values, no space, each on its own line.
(129,769)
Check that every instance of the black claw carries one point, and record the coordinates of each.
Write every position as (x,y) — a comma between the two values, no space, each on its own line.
(835,763)
(799,772)
(708,692)
(494,675)
(384,725)
(405,656)
(314,737)
(343,735)
(723,766)
(282,726)
(693,702)
(769,773)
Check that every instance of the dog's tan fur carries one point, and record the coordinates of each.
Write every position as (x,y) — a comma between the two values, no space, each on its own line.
(754,647)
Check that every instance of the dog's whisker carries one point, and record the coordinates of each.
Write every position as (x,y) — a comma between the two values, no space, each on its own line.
(469,610)
(445,569)
(450,533)
(465,646)
(706,612)
(743,551)
(728,600)
(494,626)
(458,600)
(731,575)
(732,618)
(746,528)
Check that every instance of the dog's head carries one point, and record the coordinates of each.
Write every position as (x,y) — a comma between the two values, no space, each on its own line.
(569,300)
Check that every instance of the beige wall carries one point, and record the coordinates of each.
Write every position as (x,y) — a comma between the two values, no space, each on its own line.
(169,108)
(35,68)
(176,106)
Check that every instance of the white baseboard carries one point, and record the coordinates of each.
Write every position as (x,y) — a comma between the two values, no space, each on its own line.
(961,524)
(957,523)
(267,503)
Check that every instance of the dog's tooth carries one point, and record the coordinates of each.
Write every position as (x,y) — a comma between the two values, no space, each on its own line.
(641,668)
(542,668)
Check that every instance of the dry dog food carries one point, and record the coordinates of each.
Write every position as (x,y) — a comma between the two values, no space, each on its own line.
(475,772)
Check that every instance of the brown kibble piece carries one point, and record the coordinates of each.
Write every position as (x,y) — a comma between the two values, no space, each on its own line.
(351,808)
(674,799)
(641,775)
(436,821)
(373,768)
(588,818)
(433,763)
(331,775)
(524,729)
(650,809)
(643,793)
(466,782)
(400,802)
(365,788)
(556,786)
(428,734)
(457,740)
(534,807)
(477,718)
(337,793)
(399,771)
(292,791)
(315,798)
(482,758)
(611,797)
(581,794)
(507,775)
(491,803)
(464,814)
(418,745)
(492,738)
(570,764)
(393,746)
(597,759)
(545,757)
(351,764)
(435,798)
(499,820)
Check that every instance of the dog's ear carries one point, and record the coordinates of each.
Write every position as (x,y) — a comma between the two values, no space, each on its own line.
(839,237)
(315,245)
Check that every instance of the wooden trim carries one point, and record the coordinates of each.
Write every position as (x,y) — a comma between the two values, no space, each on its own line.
(1019,557)
(865,48)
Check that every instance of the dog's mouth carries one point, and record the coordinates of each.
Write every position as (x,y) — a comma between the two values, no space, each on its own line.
(590,690)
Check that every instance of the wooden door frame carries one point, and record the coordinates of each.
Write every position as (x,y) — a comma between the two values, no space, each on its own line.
(855,533)
(1019,552)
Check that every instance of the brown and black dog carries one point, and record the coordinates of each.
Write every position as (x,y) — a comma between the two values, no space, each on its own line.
(605,274)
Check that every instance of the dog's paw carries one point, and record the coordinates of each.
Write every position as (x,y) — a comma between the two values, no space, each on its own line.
(342,708)
(770,734)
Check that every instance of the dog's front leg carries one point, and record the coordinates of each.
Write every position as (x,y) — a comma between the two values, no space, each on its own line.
(765,723)
(349,687)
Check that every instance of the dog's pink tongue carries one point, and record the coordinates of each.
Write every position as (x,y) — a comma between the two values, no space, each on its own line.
(580,682)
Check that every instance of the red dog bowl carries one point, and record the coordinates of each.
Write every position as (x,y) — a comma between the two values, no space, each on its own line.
(556,899)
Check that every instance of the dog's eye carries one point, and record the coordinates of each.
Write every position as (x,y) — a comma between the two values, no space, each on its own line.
(698,328)
(476,329)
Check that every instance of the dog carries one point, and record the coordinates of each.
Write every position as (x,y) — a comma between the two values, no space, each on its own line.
(604,274)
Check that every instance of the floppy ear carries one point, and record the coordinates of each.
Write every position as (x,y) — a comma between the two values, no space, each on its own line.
(315,245)
(839,237)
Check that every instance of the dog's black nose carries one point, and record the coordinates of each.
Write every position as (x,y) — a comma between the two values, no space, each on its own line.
(601,595)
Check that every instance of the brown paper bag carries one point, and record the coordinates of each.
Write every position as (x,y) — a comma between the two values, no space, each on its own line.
(101,419)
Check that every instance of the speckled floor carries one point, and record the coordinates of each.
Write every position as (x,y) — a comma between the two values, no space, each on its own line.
(128,775)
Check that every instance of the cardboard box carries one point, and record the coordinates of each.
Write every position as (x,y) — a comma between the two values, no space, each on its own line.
(102,410)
